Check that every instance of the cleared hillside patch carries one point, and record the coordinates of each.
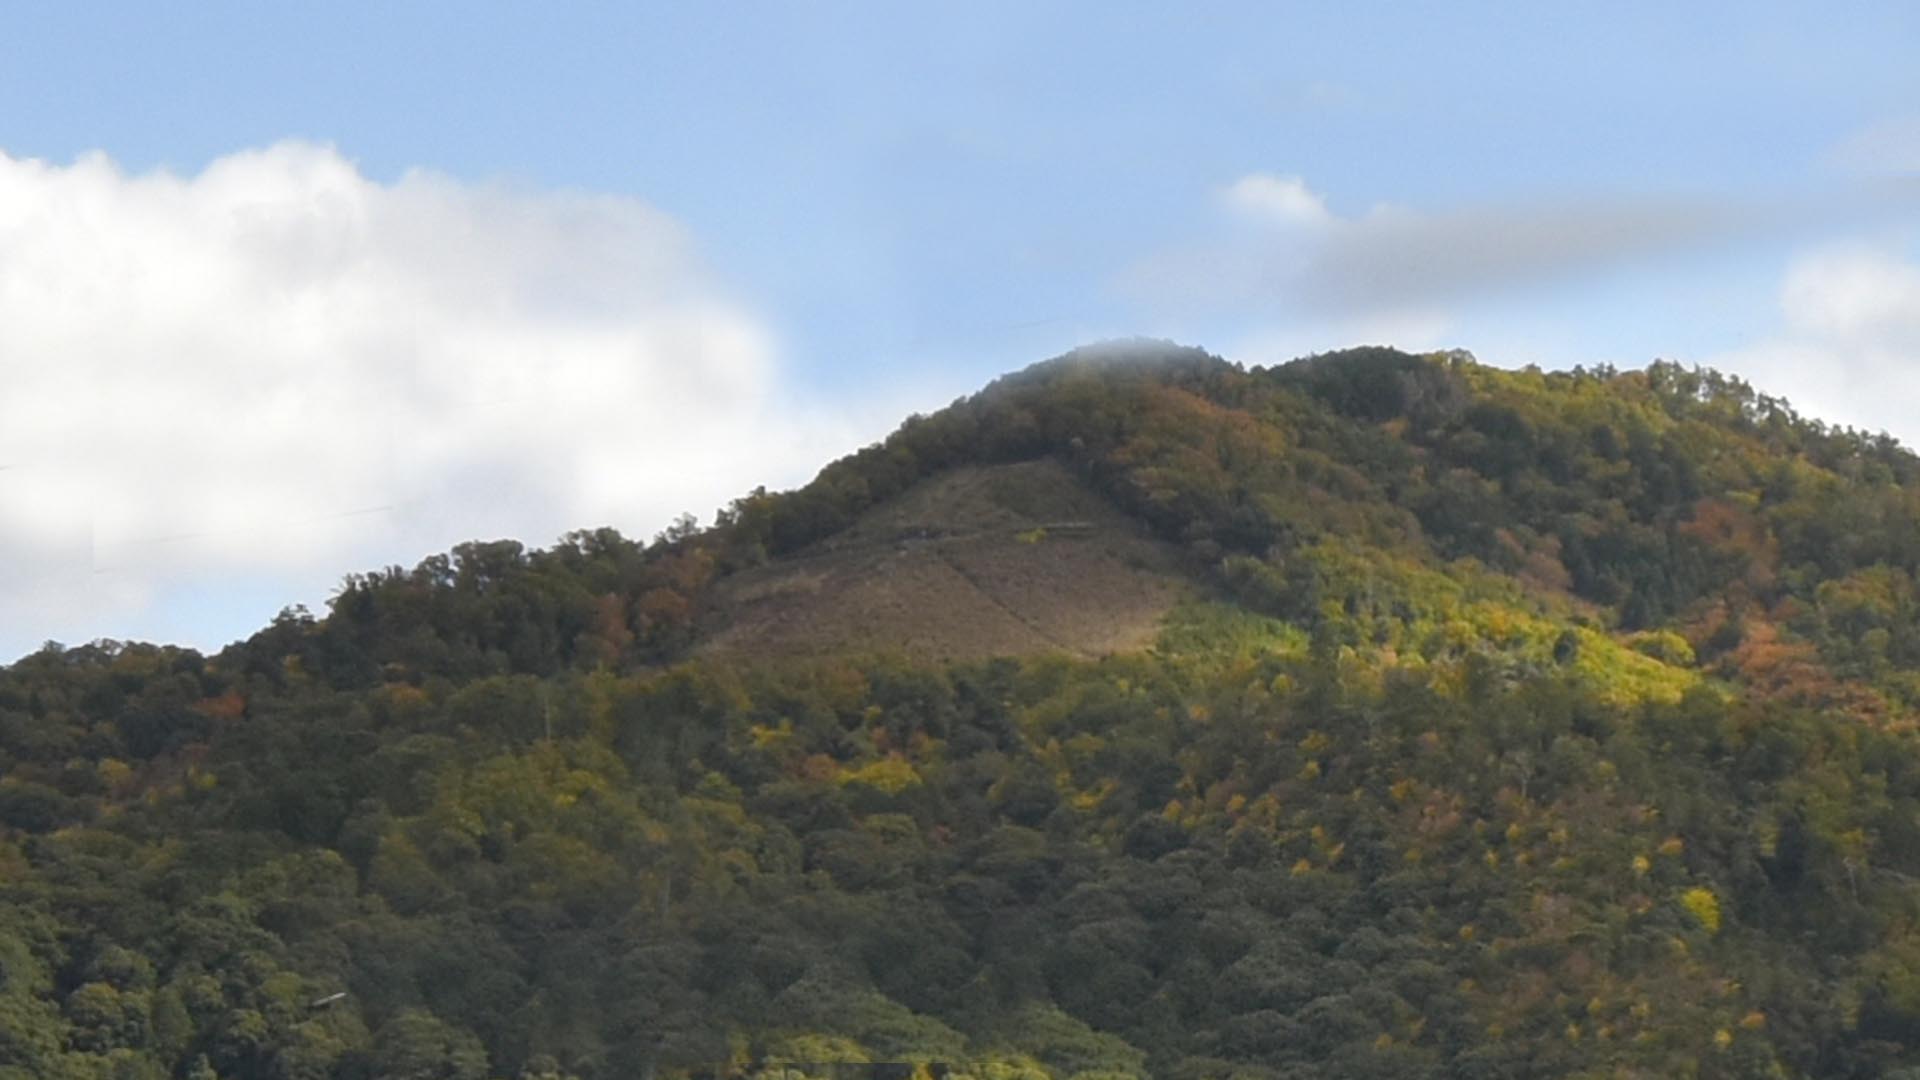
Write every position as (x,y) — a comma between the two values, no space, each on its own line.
(976,562)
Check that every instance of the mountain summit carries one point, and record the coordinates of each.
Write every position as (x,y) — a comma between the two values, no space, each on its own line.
(1141,715)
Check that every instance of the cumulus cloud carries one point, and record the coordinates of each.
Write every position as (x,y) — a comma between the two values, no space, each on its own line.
(1848,348)
(281,366)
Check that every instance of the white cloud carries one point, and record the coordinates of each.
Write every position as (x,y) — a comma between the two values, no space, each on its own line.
(281,366)
(1854,294)
(1279,200)
(1848,349)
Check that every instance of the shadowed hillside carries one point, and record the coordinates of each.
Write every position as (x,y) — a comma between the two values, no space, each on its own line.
(1375,715)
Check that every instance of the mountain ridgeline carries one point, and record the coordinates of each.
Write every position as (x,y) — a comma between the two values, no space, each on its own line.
(1375,715)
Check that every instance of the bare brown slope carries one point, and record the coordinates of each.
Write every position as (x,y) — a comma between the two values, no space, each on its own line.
(975,562)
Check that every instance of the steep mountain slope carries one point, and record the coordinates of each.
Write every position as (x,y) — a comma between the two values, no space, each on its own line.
(972,563)
(1375,715)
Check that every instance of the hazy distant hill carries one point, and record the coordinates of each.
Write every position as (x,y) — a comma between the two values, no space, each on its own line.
(1376,715)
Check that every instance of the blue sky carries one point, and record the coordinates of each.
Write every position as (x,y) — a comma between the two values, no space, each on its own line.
(851,211)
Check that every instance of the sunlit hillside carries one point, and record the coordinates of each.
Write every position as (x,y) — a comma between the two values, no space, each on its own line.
(1142,715)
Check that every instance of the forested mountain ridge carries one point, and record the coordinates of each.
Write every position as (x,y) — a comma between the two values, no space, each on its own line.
(1493,724)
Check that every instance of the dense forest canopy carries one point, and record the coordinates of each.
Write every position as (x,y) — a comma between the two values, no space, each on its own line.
(1511,724)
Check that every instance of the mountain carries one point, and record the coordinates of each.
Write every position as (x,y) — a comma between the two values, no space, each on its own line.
(1374,715)
(1016,558)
